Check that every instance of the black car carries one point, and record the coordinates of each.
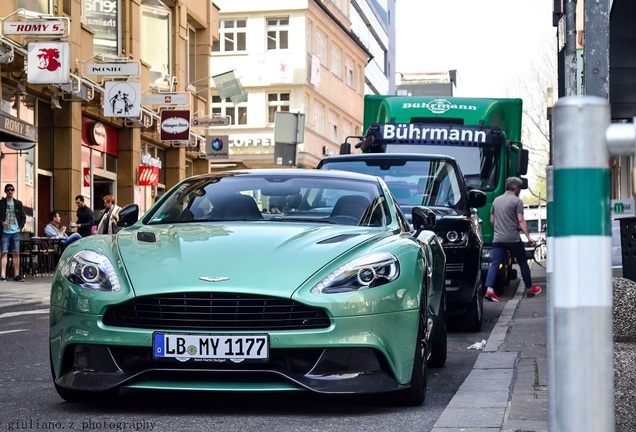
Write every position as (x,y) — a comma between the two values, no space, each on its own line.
(436,181)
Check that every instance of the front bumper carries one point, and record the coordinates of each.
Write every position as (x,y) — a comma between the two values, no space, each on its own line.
(355,355)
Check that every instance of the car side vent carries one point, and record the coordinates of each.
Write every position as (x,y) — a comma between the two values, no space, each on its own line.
(147,237)
(338,239)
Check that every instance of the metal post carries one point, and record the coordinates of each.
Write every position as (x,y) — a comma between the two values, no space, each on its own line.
(582,276)
(552,424)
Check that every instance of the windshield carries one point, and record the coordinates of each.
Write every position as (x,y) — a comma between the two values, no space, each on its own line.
(480,165)
(412,182)
(274,198)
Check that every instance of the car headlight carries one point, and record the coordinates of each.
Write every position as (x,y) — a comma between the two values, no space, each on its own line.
(367,272)
(92,270)
(453,238)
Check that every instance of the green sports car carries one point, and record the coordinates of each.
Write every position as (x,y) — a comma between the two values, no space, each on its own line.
(259,280)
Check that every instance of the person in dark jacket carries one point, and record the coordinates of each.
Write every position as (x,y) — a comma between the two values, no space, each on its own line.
(85,220)
(13,219)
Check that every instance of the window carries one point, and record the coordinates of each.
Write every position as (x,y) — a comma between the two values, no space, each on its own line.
(238,115)
(319,118)
(192,55)
(43,6)
(277,102)
(347,128)
(102,18)
(156,41)
(333,126)
(336,61)
(277,33)
(232,34)
(349,74)
(321,47)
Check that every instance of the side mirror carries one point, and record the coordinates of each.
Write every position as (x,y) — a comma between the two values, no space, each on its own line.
(476,198)
(423,218)
(523,158)
(128,215)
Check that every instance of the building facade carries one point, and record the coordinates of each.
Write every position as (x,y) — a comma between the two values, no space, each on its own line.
(82,143)
(290,56)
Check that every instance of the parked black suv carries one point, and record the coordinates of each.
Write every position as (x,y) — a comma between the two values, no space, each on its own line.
(436,182)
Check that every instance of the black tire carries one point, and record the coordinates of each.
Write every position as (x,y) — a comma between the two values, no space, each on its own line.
(474,316)
(75,396)
(439,347)
(416,393)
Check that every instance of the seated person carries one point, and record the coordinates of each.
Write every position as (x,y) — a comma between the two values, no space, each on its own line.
(55,231)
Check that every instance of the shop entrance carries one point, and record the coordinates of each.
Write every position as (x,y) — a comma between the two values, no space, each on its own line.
(102,186)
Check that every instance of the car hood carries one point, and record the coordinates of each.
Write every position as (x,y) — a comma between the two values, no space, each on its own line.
(272,256)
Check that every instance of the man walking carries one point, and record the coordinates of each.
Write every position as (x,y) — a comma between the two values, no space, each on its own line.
(507,218)
(13,219)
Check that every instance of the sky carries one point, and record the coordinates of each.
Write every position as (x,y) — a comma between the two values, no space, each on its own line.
(491,43)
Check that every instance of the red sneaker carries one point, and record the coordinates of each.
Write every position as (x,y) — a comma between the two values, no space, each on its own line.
(490,295)
(533,291)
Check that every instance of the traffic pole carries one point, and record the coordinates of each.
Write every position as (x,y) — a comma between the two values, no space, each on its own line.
(582,275)
(549,244)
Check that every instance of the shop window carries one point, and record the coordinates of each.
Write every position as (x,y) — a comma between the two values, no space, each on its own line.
(103,19)
(277,33)
(232,36)
(156,41)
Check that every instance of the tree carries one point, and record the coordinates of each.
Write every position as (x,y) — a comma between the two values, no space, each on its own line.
(538,89)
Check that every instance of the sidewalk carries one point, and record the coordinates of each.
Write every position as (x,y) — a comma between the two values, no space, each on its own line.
(30,292)
(507,389)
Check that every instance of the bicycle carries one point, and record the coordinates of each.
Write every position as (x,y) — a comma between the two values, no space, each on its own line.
(540,252)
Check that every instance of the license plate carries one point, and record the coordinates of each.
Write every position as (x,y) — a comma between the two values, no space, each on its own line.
(211,347)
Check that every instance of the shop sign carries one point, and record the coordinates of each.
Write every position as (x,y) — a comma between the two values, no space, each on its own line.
(48,62)
(97,134)
(120,69)
(146,159)
(148,175)
(166,99)
(175,125)
(216,146)
(14,129)
(122,98)
(87,177)
(49,27)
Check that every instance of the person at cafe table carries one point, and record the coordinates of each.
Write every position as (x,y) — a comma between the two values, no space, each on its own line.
(54,230)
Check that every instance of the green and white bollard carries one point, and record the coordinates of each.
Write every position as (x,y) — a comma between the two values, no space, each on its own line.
(582,269)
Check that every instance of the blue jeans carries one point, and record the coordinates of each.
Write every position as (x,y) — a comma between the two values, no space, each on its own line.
(10,242)
(499,254)
(70,239)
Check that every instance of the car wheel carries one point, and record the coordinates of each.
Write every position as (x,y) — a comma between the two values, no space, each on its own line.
(474,317)
(416,393)
(71,395)
(440,343)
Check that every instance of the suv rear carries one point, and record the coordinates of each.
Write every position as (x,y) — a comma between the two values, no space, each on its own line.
(436,181)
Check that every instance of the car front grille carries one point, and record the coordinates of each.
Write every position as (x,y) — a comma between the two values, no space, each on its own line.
(215,311)
(454,267)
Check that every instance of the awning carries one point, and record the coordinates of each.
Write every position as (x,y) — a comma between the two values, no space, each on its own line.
(12,129)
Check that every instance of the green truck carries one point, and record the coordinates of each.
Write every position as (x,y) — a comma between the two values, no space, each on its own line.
(482,134)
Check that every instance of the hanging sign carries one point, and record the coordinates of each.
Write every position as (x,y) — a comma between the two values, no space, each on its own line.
(120,69)
(122,98)
(216,147)
(148,175)
(87,177)
(175,125)
(48,62)
(166,99)
(48,27)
